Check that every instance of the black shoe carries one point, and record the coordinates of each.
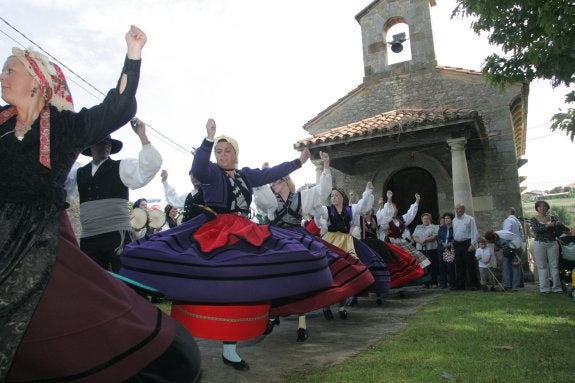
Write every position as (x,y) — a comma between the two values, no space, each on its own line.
(328,314)
(302,334)
(240,366)
(342,314)
(271,324)
(353,301)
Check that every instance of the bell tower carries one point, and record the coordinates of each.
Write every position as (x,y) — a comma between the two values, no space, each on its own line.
(396,35)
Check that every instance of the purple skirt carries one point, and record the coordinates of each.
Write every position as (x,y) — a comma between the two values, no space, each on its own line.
(286,264)
(376,266)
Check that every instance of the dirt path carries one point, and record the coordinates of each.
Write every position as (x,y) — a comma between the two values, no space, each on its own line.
(278,354)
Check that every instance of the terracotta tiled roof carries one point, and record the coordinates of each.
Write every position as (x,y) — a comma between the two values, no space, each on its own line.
(388,122)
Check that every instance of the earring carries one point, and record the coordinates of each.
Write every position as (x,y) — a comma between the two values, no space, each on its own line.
(33,93)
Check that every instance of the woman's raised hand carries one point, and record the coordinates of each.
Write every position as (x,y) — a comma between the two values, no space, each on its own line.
(135,39)
(325,158)
(417,198)
(369,185)
(304,156)
(211,128)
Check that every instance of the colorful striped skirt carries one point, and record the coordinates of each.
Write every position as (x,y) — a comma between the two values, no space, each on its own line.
(240,269)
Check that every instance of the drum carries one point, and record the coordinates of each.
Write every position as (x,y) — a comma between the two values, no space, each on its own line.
(157,219)
(138,218)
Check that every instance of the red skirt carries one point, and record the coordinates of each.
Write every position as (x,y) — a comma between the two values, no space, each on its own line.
(223,322)
(404,270)
(350,277)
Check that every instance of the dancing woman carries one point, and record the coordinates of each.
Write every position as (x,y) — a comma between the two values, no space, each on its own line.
(286,208)
(221,269)
(337,219)
(63,317)
(394,226)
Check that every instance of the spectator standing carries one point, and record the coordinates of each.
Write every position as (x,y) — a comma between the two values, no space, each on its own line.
(512,271)
(445,241)
(546,248)
(425,238)
(465,237)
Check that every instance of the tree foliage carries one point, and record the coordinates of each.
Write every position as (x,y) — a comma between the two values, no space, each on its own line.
(562,214)
(538,42)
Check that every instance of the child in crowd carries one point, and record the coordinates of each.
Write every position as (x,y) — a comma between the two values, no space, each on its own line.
(486,258)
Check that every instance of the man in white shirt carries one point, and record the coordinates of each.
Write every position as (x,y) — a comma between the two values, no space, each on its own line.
(512,223)
(465,237)
(103,186)
(512,277)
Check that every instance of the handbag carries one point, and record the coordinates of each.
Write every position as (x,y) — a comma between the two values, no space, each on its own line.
(568,251)
(448,255)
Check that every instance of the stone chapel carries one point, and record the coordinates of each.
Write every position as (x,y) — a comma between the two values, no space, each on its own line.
(416,127)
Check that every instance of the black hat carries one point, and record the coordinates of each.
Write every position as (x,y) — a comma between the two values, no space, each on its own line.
(116,146)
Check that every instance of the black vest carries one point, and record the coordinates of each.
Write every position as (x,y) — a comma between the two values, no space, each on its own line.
(287,213)
(191,209)
(339,222)
(105,184)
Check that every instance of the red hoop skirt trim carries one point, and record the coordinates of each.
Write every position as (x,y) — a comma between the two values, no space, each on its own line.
(350,277)
(223,322)
(405,270)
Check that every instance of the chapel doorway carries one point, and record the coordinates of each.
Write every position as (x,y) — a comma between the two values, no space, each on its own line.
(405,183)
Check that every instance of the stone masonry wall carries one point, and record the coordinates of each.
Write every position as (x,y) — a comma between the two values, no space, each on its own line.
(492,169)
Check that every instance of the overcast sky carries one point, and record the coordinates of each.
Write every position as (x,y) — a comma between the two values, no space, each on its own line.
(260,68)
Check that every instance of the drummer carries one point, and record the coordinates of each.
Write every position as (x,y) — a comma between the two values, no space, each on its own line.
(102,186)
(141,223)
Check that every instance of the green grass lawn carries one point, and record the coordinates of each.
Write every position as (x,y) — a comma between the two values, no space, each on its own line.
(471,337)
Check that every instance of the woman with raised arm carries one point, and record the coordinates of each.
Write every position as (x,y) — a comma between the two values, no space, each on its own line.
(394,226)
(228,266)
(403,268)
(286,208)
(337,219)
(63,317)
